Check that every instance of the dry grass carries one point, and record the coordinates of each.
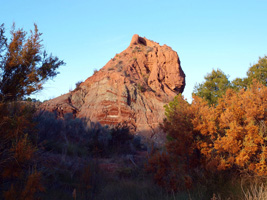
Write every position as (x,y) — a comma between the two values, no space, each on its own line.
(255,192)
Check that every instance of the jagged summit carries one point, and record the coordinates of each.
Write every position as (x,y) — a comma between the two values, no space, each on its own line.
(136,39)
(132,87)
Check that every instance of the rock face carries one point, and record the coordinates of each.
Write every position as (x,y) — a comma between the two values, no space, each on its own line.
(132,87)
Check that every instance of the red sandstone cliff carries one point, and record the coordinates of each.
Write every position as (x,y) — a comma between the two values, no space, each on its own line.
(132,87)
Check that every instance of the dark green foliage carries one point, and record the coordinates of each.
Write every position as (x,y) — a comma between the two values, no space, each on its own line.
(258,71)
(121,139)
(255,72)
(119,66)
(78,84)
(136,49)
(69,135)
(240,83)
(78,144)
(75,136)
(120,134)
(137,142)
(95,71)
(215,85)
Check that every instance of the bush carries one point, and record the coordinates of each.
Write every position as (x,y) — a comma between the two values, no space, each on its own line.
(149,49)
(75,136)
(121,139)
(18,146)
(136,49)
(77,85)
(141,88)
(119,66)
(95,71)
(204,140)
(233,133)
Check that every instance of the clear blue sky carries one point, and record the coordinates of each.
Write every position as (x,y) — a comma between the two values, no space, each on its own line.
(86,34)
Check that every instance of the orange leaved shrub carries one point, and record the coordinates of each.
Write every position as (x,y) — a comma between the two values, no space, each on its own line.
(233,134)
(19,179)
(173,166)
(229,136)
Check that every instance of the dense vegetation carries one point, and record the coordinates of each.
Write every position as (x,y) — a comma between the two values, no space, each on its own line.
(215,148)
(217,82)
(24,67)
(220,136)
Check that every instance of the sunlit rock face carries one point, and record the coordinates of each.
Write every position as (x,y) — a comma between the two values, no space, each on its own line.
(131,88)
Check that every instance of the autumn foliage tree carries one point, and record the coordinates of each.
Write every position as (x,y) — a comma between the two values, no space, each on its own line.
(19,178)
(231,135)
(24,67)
(173,166)
(234,132)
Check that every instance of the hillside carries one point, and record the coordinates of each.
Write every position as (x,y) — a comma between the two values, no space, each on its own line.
(131,88)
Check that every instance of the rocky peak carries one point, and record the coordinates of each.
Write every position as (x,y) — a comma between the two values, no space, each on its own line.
(132,87)
(136,39)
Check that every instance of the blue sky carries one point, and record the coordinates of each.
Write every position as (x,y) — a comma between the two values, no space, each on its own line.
(86,34)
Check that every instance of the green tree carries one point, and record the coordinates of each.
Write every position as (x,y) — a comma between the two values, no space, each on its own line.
(257,71)
(24,66)
(240,83)
(215,85)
